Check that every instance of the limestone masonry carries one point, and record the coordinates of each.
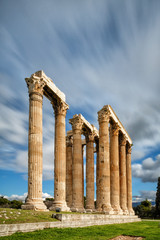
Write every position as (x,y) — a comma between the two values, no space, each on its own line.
(111,144)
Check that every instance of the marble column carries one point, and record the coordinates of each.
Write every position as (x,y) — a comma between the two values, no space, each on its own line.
(69,143)
(122,168)
(104,163)
(35,150)
(114,158)
(129,180)
(97,173)
(82,175)
(90,172)
(77,203)
(60,109)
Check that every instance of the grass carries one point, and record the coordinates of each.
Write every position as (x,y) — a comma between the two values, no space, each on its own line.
(148,229)
(10,216)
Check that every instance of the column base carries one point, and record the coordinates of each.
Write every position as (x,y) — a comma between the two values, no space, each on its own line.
(106,209)
(89,210)
(117,210)
(131,212)
(62,206)
(34,204)
(125,212)
(76,209)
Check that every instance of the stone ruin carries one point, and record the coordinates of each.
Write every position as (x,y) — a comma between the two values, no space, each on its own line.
(113,156)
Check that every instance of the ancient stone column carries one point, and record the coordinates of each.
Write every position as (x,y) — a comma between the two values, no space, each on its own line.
(97,173)
(35,153)
(114,158)
(69,143)
(122,168)
(104,164)
(129,180)
(60,109)
(82,175)
(77,203)
(89,172)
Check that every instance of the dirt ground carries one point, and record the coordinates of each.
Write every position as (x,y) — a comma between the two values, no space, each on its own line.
(127,238)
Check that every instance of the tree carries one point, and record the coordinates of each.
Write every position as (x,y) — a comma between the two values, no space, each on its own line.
(158,198)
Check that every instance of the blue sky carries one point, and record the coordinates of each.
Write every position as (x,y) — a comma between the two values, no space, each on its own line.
(97,53)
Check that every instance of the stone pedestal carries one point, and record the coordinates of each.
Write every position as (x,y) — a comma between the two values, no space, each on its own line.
(114,158)
(103,185)
(77,203)
(60,157)
(35,155)
(129,181)
(90,172)
(122,168)
(69,142)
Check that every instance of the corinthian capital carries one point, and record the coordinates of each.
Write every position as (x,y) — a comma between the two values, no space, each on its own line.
(35,84)
(104,114)
(69,141)
(76,122)
(89,137)
(59,107)
(122,140)
(129,148)
(115,129)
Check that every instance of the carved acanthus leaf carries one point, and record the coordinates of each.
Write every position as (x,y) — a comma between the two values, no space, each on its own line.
(69,141)
(122,140)
(104,115)
(115,129)
(129,148)
(76,122)
(35,84)
(59,107)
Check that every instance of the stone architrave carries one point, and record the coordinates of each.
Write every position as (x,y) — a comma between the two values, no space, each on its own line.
(69,156)
(77,203)
(103,175)
(114,161)
(60,109)
(129,180)
(35,150)
(89,172)
(122,168)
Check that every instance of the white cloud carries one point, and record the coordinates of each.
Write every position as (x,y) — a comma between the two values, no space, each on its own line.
(97,54)
(149,195)
(23,197)
(148,171)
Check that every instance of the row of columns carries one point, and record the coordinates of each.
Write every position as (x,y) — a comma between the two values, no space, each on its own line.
(113,168)
(35,149)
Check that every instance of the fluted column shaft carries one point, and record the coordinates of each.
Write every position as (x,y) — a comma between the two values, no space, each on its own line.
(69,172)
(123,181)
(82,175)
(114,157)
(35,149)
(97,173)
(77,203)
(60,109)
(129,180)
(104,164)
(90,172)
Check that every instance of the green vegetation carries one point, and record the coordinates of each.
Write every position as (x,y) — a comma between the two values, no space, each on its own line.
(5,203)
(150,230)
(158,198)
(145,210)
(10,216)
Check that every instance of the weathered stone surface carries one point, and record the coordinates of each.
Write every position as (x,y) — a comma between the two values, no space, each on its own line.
(103,175)
(67,220)
(114,161)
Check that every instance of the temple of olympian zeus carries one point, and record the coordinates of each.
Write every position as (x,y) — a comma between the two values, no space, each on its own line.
(111,144)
